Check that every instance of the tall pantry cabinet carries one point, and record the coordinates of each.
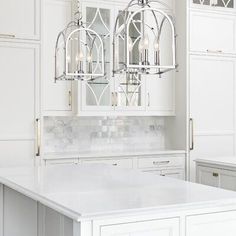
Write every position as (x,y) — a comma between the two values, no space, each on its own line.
(212,81)
(19,80)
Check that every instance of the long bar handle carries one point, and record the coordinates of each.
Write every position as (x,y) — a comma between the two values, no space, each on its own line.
(7,36)
(38,137)
(148,95)
(116,99)
(191,127)
(214,51)
(70,98)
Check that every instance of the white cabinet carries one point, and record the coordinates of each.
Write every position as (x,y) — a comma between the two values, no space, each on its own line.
(121,94)
(18,101)
(216,176)
(212,32)
(166,227)
(216,224)
(214,4)
(57,98)
(20,19)
(212,106)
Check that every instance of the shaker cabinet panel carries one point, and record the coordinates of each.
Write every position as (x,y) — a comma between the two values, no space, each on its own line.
(18,90)
(212,33)
(166,227)
(55,96)
(20,19)
(216,224)
(207,176)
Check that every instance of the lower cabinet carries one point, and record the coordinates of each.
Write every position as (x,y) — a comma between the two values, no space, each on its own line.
(217,224)
(216,177)
(166,227)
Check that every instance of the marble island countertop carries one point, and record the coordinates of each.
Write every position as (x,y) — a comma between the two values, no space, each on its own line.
(111,153)
(88,191)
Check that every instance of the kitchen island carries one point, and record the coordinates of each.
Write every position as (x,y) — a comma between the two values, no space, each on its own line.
(99,200)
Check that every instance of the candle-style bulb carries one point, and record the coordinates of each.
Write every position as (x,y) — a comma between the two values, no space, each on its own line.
(130,44)
(146,42)
(156,45)
(141,46)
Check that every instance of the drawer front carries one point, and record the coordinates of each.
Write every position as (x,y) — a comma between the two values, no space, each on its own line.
(216,224)
(173,173)
(62,162)
(123,163)
(165,227)
(212,33)
(161,162)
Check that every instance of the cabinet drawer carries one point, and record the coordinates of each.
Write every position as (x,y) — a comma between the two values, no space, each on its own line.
(61,162)
(123,163)
(213,33)
(173,173)
(165,227)
(160,162)
(216,224)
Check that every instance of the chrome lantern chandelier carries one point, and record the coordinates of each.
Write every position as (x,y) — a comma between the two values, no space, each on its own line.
(79,52)
(144,42)
(147,37)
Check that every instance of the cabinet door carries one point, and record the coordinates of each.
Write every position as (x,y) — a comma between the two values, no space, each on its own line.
(56,97)
(97,95)
(167,227)
(228,180)
(227,4)
(216,224)
(213,33)
(18,100)
(208,176)
(212,106)
(20,19)
(160,94)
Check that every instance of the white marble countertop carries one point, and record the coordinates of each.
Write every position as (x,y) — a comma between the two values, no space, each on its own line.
(107,154)
(229,161)
(89,191)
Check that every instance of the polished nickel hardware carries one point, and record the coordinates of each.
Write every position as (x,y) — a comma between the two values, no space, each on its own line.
(70,98)
(148,95)
(113,99)
(191,127)
(7,36)
(115,164)
(160,162)
(214,51)
(38,137)
(116,99)
(215,174)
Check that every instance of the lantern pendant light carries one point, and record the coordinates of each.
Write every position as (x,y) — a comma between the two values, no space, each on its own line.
(139,35)
(79,52)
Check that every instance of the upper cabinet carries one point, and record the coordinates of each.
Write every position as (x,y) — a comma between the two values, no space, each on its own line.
(56,97)
(208,32)
(20,19)
(122,94)
(217,4)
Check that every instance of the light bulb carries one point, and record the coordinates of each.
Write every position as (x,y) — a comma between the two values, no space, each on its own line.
(156,45)
(146,42)
(68,59)
(140,46)
(130,44)
(81,56)
(89,58)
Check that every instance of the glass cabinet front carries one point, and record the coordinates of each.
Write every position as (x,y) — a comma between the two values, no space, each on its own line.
(216,3)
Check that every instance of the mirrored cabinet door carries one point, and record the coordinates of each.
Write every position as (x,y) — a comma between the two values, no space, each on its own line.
(97,94)
(216,3)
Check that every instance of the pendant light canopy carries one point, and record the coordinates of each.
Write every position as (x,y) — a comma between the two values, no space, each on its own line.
(144,39)
(79,52)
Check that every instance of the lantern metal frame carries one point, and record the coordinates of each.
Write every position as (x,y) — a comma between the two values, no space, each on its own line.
(73,27)
(127,16)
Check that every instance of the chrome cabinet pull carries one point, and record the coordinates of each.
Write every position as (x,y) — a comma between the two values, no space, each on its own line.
(115,164)
(38,137)
(191,128)
(7,36)
(148,95)
(112,99)
(116,99)
(214,51)
(215,174)
(160,162)
(70,98)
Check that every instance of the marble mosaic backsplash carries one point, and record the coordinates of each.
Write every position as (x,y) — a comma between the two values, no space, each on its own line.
(86,134)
